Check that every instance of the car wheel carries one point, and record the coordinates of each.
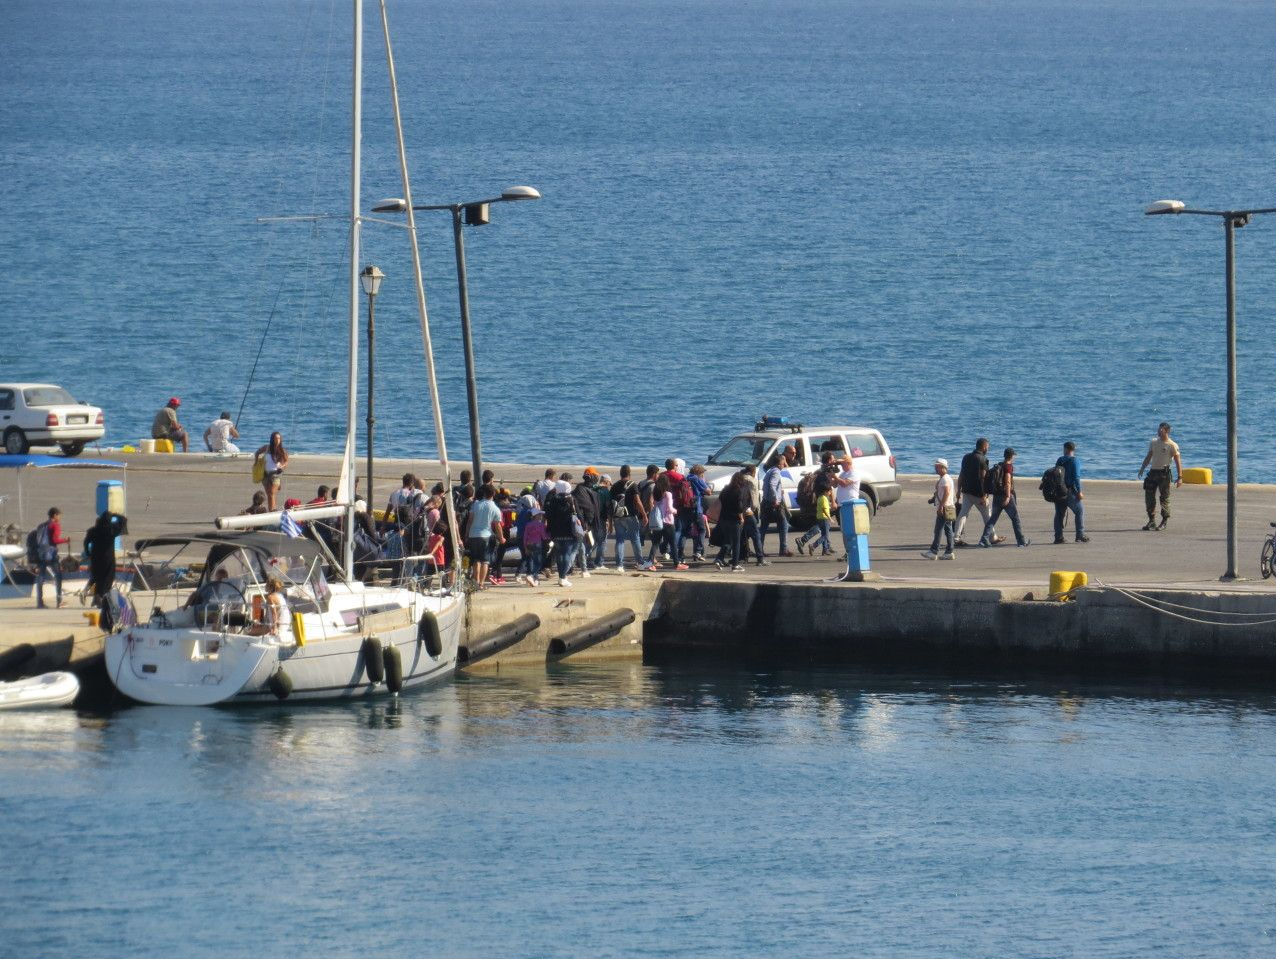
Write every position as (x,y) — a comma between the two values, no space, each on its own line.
(872,502)
(73,449)
(15,442)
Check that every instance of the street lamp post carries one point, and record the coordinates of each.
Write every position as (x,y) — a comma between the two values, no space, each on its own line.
(1232,219)
(472,213)
(371,279)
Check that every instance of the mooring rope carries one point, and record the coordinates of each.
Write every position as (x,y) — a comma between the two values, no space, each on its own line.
(1151,603)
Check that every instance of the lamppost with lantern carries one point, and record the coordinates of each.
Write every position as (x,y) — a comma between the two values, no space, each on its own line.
(371,279)
(471,213)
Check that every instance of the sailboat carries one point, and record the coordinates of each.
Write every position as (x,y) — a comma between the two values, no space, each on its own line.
(265,621)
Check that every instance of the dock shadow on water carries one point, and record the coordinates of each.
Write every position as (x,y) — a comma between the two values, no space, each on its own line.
(691,806)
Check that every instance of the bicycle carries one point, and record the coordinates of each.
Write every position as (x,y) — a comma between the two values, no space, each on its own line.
(1268,557)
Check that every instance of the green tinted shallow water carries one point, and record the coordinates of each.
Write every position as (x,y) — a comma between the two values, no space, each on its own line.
(629,809)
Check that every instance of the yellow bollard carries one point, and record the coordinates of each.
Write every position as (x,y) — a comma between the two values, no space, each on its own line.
(163,446)
(1200,475)
(1063,582)
(298,629)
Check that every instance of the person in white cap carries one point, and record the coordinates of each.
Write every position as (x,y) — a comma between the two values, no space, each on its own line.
(945,512)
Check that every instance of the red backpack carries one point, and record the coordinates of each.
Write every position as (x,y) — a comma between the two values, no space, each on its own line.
(684,497)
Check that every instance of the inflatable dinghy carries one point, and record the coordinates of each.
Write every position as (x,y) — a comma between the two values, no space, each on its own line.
(50,691)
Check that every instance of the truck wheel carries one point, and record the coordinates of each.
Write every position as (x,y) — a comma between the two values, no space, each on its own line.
(73,449)
(15,442)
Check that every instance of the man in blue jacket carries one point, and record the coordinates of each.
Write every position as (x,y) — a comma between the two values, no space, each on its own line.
(1072,480)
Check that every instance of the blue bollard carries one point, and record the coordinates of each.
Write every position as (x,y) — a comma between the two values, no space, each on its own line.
(855,527)
(110,496)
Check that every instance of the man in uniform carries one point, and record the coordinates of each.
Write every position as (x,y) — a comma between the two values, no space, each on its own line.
(1162,451)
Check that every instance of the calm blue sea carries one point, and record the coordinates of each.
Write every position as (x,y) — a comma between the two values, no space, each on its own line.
(627,810)
(920,215)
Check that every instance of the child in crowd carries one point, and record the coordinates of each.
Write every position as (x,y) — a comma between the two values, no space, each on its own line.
(823,516)
(534,538)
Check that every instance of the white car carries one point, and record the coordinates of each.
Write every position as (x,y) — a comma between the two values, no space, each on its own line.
(40,414)
(873,459)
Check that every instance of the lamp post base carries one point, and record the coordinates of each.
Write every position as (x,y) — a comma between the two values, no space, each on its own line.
(852,576)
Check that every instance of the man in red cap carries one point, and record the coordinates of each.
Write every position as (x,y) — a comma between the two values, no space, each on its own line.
(166,427)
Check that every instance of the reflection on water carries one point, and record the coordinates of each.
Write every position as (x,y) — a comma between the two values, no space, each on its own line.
(624,808)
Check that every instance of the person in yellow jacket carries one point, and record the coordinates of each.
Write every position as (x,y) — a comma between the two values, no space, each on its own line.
(823,517)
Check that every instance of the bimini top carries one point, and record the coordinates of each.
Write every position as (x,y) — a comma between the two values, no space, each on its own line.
(8,461)
(264,544)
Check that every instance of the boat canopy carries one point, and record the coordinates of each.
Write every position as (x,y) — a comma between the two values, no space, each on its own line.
(264,544)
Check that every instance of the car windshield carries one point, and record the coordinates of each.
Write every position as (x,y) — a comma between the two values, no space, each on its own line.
(48,396)
(743,451)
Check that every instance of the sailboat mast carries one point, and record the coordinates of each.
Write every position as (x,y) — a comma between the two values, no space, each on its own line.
(356,129)
(435,406)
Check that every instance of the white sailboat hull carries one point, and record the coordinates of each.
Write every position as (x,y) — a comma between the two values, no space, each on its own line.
(190,665)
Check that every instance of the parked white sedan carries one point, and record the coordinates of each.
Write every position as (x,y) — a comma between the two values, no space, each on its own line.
(40,414)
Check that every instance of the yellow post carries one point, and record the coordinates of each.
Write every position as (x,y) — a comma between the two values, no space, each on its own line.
(298,629)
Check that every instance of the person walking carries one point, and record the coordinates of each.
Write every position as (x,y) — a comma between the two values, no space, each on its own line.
(1162,451)
(700,530)
(731,505)
(275,458)
(1071,467)
(1004,500)
(48,538)
(628,518)
(587,509)
(751,531)
(970,490)
(775,506)
(561,521)
(944,501)
(602,497)
(482,525)
(823,520)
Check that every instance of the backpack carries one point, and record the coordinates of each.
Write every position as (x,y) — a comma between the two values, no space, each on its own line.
(994,480)
(33,544)
(684,497)
(411,510)
(1053,487)
(620,500)
(806,491)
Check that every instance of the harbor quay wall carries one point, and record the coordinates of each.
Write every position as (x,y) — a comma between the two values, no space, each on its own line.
(940,623)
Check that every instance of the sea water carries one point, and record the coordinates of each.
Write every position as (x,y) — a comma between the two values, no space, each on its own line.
(644,810)
(917,215)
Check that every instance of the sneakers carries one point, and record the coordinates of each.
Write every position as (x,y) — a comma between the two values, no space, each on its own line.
(585,573)
(764,562)
(1059,539)
(737,569)
(645,567)
(1026,542)
(564,581)
(698,558)
(717,563)
(930,554)
(1164,521)
(948,556)
(827,552)
(961,544)
(1083,538)
(787,552)
(801,547)
(682,566)
(529,580)
(985,544)
(1151,524)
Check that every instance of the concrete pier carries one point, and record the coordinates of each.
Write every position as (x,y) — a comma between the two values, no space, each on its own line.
(987,602)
